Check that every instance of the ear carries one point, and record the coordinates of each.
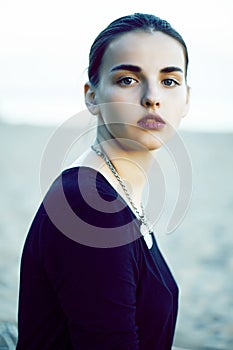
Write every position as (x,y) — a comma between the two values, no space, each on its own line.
(90,99)
(187,102)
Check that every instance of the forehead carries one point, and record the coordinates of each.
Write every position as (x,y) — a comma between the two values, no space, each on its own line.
(154,49)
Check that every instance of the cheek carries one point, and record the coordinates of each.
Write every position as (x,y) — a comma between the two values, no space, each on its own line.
(177,104)
(113,112)
(108,94)
(120,112)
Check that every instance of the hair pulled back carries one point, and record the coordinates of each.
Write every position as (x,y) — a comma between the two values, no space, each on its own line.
(137,21)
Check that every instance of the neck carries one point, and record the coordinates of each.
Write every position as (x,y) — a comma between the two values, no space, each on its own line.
(132,165)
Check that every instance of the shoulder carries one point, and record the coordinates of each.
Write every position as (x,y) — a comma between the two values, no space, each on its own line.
(83,205)
(84,188)
(85,179)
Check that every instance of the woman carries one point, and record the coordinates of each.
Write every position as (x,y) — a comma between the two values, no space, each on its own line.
(92,276)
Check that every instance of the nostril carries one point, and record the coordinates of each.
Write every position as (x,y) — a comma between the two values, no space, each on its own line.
(151,102)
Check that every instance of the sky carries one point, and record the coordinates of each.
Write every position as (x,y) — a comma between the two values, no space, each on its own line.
(45,47)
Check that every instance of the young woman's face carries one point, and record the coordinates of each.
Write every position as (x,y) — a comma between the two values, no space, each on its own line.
(142,92)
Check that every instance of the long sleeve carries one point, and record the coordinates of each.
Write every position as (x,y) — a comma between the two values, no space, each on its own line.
(88,280)
(96,288)
(88,291)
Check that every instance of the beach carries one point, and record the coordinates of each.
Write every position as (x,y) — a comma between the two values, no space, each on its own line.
(199,251)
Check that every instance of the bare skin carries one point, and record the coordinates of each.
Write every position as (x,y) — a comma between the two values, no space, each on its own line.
(142,75)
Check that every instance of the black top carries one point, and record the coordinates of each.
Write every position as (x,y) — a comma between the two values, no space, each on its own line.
(101,289)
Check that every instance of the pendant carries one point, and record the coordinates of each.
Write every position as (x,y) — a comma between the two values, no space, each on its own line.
(146,232)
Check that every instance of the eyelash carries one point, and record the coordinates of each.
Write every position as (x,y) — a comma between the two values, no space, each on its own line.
(121,81)
(171,80)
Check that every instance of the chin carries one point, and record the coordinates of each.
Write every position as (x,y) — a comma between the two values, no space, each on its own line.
(155,147)
(152,142)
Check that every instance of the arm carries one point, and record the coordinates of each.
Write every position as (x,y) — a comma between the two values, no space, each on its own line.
(96,288)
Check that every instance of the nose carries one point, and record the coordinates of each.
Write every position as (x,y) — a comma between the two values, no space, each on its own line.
(150,102)
(151,99)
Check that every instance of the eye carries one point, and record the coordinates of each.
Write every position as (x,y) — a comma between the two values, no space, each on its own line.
(170,82)
(126,81)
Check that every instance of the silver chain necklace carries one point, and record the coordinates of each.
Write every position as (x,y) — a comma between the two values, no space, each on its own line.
(145,227)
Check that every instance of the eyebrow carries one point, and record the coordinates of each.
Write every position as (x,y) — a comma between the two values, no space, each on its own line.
(129,67)
(171,69)
(137,69)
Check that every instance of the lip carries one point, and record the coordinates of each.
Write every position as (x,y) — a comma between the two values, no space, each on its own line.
(151,122)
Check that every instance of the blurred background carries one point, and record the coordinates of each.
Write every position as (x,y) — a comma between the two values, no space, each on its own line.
(43,62)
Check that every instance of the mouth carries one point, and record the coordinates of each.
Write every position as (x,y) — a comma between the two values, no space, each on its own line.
(152,122)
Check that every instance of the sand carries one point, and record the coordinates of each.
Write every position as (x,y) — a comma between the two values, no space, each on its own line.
(199,252)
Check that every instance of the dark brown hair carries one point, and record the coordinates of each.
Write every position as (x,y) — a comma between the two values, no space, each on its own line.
(137,21)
